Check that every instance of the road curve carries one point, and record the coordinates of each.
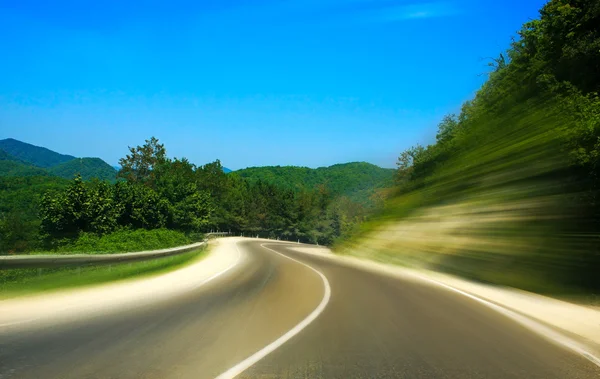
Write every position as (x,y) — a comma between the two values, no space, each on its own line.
(271,317)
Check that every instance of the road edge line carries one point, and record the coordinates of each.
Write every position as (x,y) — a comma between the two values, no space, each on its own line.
(257,356)
(237,261)
(528,322)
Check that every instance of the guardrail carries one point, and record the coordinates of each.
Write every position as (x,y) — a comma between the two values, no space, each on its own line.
(49,261)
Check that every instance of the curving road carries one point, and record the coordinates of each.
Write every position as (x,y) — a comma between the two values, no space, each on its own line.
(285,314)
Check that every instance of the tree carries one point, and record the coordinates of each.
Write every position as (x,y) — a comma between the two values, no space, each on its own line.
(64,215)
(139,166)
(102,209)
(447,128)
(192,212)
(140,206)
(406,162)
(569,42)
(80,208)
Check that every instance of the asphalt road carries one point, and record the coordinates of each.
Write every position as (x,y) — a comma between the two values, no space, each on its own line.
(371,326)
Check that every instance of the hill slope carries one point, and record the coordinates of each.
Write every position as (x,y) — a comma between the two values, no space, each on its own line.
(11,166)
(356,179)
(35,155)
(22,159)
(88,168)
(508,194)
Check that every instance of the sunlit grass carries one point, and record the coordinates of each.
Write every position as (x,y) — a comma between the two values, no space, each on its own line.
(19,282)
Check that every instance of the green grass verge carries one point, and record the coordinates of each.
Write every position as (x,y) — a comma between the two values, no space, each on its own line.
(20,282)
(125,241)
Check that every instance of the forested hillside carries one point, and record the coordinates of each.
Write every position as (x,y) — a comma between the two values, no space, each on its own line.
(20,199)
(508,193)
(12,166)
(357,180)
(22,159)
(88,168)
(34,155)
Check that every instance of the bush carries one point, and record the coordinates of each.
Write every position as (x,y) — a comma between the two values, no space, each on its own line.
(126,241)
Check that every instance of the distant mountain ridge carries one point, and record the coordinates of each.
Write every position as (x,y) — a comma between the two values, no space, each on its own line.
(12,166)
(18,158)
(35,155)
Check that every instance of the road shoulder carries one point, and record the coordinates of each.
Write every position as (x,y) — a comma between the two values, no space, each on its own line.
(67,305)
(574,326)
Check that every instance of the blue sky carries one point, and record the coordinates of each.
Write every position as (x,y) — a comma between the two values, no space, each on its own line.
(301,82)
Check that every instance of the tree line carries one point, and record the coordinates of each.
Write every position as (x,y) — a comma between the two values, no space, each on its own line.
(154,191)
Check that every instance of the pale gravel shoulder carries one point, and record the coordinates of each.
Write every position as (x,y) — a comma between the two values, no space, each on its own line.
(67,305)
(312,250)
(574,320)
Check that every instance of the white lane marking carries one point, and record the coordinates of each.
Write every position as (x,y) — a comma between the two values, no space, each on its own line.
(529,323)
(251,360)
(239,256)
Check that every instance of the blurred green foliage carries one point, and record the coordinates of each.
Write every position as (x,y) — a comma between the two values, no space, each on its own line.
(508,193)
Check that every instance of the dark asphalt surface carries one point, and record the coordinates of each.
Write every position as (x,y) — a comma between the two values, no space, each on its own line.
(373,327)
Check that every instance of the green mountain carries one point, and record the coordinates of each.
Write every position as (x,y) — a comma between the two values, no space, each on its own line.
(4,156)
(35,155)
(88,168)
(357,180)
(22,159)
(11,166)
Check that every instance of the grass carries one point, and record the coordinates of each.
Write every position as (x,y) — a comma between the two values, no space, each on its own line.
(20,282)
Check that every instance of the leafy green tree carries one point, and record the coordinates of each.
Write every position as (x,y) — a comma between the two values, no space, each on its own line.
(138,166)
(407,160)
(192,212)
(102,209)
(80,208)
(447,128)
(140,207)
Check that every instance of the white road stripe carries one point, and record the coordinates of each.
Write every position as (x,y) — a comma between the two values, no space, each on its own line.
(26,321)
(529,323)
(254,358)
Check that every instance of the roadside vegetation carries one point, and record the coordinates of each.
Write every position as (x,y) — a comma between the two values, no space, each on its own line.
(508,193)
(126,240)
(358,181)
(20,282)
(160,202)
